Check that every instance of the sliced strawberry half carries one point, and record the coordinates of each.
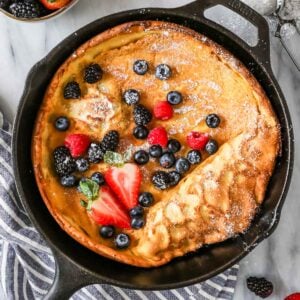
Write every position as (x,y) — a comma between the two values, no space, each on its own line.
(107,210)
(125,183)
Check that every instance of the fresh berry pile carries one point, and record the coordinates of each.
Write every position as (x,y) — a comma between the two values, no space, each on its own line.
(260,286)
(113,198)
(31,9)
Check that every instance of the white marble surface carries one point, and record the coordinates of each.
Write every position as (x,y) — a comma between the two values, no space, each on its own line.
(22,45)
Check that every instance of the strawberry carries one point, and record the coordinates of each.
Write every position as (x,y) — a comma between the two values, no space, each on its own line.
(106,210)
(77,144)
(295,296)
(158,136)
(197,140)
(54,4)
(125,183)
(163,110)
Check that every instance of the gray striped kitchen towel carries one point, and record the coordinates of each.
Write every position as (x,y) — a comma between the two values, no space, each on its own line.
(27,265)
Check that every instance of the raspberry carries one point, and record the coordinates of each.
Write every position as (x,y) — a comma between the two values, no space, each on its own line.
(295,296)
(158,136)
(163,110)
(260,286)
(197,140)
(77,144)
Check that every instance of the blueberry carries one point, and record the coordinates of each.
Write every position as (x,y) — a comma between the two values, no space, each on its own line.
(136,211)
(140,132)
(68,181)
(131,97)
(163,72)
(212,121)
(211,147)
(167,160)
(146,199)
(174,178)
(141,157)
(62,124)
(194,157)
(174,146)
(161,180)
(155,151)
(137,223)
(107,231)
(98,177)
(182,165)
(140,67)
(82,164)
(122,241)
(174,97)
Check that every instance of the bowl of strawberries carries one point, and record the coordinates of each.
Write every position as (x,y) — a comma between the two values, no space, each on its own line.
(34,10)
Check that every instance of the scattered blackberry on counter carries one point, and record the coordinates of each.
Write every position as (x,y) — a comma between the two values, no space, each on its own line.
(174,178)
(131,96)
(163,72)
(194,157)
(260,286)
(98,177)
(137,222)
(92,73)
(174,146)
(68,181)
(95,153)
(110,141)
(161,180)
(141,115)
(182,165)
(140,132)
(146,199)
(63,162)
(107,232)
(62,124)
(167,160)
(212,121)
(140,67)
(155,151)
(72,90)
(27,9)
(141,157)
(211,147)
(136,211)
(82,164)
(122,241)
(174,98)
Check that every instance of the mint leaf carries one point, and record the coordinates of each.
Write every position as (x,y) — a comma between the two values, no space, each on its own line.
(113,158)
(89,188)
(83,203)
(89,205)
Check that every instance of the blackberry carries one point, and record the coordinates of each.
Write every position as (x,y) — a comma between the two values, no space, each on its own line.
(63,162)
(95,153)
(142,116)
(92,73)
(161,180)
(110,141)
(27,9)
(72,90)
(260,286)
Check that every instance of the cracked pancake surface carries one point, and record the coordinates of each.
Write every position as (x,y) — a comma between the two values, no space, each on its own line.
(215,200)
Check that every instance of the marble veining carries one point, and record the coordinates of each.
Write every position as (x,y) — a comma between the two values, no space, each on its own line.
(22,45)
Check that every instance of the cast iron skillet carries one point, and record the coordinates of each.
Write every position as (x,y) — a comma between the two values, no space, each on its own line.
(76,266)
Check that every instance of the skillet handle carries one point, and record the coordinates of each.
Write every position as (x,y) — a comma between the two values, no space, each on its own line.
(262,49)
(69,278)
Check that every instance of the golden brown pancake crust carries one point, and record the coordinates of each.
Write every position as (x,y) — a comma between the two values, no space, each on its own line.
(218,198)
